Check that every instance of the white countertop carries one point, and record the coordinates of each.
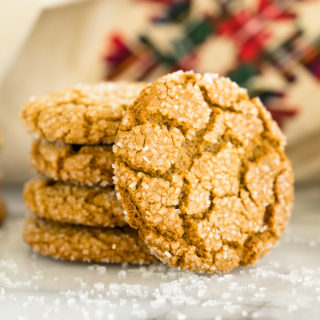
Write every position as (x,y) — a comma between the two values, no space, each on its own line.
(284,285)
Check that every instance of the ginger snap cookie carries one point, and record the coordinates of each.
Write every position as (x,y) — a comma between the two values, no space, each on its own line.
(83,114)
(84,165)
(202,173)
(64,202)
(80,243)
(3,210)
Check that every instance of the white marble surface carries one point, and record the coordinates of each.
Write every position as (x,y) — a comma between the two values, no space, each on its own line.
(284,285)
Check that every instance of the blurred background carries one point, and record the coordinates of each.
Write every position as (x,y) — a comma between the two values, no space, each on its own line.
(270,47)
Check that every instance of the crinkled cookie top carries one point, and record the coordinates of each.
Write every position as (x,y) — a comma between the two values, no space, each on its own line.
(202,173)
(83,114)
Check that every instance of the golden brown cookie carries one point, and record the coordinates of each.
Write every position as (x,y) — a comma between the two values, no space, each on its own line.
(202,173)
(83,114)
(64,202)
(84,165)
(3,210)
(80,243)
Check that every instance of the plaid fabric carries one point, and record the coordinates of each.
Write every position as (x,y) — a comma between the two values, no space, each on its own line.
(248,28)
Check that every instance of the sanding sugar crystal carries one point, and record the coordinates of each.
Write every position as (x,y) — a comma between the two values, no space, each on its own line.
(97,291)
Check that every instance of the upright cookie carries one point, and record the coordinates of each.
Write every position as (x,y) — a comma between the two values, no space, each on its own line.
(83,114)
(202,173)
(84,165)
(63,202)
(3,210)
(79,243)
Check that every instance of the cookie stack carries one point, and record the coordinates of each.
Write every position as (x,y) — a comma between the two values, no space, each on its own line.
(200,169)
(75,212)
(3,210)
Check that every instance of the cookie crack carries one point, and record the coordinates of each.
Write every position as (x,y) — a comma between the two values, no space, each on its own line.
(266,218)
(268,211)
(135,207)
(206,98)
(163,176)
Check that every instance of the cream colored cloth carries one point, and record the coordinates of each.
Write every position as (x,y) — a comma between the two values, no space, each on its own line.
(58,44)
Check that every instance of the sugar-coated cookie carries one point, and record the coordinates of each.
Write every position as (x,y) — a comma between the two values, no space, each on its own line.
(202,173)
(84,165)
(80,243)
(65,202)
(83,114)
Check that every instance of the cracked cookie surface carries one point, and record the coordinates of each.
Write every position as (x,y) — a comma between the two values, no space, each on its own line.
(79,243)
(84,165)
(64,202)
(202,173)
(83,114)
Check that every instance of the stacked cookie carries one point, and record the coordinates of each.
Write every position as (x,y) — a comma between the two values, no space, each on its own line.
(3,210)
(75,212)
